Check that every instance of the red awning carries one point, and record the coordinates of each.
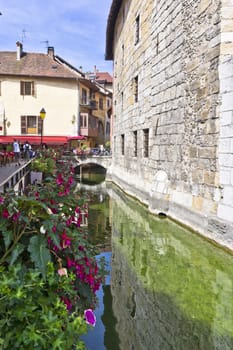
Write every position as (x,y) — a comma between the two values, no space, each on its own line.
(36,140)
(76,138)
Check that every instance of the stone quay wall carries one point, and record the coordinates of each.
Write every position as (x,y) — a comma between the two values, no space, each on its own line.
(173,110)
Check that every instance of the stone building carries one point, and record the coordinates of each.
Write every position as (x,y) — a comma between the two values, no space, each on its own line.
(173,108)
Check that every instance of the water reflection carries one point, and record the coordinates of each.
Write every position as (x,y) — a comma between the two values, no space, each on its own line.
(168,289)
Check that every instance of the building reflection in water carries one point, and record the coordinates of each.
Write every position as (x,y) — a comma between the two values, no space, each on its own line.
(168,288)
(171,289)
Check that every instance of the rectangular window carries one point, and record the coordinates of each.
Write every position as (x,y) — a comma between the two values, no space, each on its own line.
(135,88)
(83,120)
(84,97)
(30,125)
(137,30)
(101,103)
(27,88)
(122,145)
(146,143)
(109,103)
(135,143)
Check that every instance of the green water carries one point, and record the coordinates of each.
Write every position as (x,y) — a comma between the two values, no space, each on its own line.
(169,288)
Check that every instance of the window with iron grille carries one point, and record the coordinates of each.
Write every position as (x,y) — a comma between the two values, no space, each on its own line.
(146,143)
(31,125)
(135,143)
(137,30)
(27,88)
(122,145)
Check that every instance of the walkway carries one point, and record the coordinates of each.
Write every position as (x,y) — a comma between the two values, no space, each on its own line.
(12,173)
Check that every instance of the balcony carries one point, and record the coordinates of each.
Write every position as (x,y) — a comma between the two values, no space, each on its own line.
(88,103)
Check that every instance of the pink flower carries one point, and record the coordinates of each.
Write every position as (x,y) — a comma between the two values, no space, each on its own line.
(90,317)
(62,271)
(1,200)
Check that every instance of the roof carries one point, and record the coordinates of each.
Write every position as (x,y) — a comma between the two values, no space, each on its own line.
(103,77)
(114,10)
(89,84)
(34,65)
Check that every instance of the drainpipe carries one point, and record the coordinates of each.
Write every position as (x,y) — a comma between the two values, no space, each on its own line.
(78,111)
(4,123)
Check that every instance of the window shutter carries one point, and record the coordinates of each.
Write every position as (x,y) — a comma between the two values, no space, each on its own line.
(33,89)
(23,125)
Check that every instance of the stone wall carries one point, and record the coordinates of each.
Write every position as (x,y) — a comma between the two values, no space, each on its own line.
(183,62)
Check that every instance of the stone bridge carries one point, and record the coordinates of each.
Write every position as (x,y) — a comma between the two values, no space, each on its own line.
(104,161)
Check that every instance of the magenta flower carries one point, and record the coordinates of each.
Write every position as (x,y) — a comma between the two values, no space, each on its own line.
(67,302)
(66,242)
(70,180)
(90,317)
(59,179)
(15,216)
(5,213)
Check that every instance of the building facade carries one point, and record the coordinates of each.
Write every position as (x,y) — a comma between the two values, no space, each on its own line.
(173,109)
(32,81)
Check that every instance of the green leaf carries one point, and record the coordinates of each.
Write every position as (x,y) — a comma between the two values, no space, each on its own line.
(40,254)
(8,237)
(18,249)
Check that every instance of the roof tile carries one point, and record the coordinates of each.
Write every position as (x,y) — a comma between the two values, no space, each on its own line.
(35,65)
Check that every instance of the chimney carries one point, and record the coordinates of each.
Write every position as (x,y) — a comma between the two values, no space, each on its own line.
(19,50)
(51,51)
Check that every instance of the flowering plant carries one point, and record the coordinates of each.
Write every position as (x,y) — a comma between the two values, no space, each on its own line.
(45,233)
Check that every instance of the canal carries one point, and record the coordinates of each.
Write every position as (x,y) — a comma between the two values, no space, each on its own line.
(166,287)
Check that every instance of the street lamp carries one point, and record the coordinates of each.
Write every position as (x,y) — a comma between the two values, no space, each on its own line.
(42,116)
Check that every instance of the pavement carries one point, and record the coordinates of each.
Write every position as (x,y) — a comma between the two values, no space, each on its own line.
(9,169)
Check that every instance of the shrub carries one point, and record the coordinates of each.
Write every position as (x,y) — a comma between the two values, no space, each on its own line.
(49,274)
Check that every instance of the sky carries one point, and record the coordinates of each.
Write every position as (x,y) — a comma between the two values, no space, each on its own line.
(75,28)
